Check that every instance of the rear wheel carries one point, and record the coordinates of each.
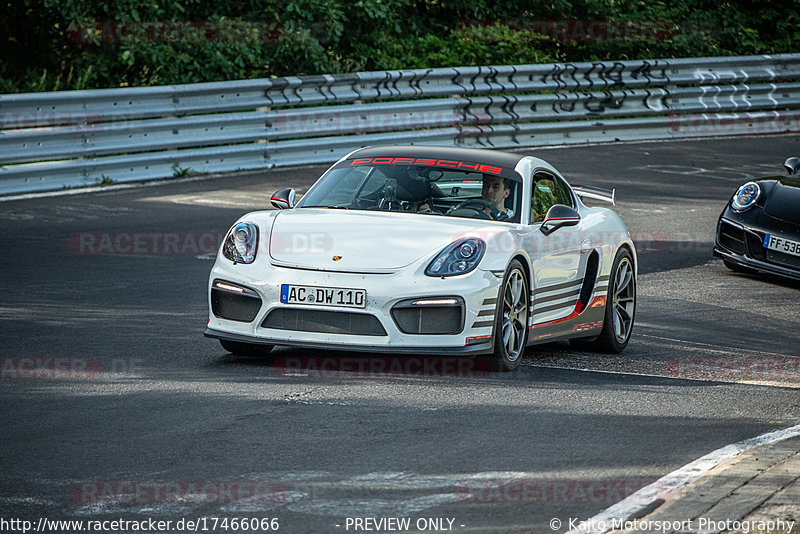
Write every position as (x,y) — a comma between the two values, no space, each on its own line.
(738,268)
(245,349)
(620,306)
(511,319)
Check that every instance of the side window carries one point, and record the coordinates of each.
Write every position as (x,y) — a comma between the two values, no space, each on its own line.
(543,197)
(563,195)
(339,187)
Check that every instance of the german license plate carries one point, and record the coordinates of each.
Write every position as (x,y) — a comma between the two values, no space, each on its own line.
(324,296)
(787,246)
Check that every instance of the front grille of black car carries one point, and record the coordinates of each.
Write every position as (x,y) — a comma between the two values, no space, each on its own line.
(750,243)
(234,306)
(324,322)
(732,238)
(429,319)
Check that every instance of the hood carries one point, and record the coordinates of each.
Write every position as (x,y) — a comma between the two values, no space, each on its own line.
(783,201)
(363,241)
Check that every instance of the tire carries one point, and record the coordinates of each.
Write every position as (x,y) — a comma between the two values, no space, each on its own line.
(620,306)
(245,349)
(511,319)
(735,267)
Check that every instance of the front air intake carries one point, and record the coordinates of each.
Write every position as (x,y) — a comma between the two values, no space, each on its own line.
(731,237)
(434,316)
(233,302)
(324,322)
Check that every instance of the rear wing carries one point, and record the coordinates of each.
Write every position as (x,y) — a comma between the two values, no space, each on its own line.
(597,193)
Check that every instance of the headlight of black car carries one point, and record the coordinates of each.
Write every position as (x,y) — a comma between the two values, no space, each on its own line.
(460,257)
(241,243)
(746,196)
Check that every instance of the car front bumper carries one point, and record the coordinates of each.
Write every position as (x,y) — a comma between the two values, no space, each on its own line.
(262,281)
(750,263)
(741,244)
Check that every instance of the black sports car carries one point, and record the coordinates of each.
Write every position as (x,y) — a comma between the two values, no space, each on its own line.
(759,229)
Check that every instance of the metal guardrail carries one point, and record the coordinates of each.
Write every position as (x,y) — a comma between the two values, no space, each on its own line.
(74,138)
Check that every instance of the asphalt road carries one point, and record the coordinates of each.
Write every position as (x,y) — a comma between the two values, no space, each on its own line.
(133,414)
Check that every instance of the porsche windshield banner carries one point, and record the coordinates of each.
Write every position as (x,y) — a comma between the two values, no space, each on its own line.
(428,162)
(466,166)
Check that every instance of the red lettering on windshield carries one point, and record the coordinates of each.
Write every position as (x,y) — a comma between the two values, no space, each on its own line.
(479,167)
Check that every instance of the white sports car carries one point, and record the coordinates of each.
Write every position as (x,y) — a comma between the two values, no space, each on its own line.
(428,250)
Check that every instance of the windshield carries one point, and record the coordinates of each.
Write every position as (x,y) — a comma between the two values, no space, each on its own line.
(418,189)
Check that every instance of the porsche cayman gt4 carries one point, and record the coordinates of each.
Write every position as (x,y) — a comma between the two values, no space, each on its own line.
(427,250)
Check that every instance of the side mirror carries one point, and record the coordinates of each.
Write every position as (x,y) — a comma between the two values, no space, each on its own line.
(557,217)
(792,165)
(283,199)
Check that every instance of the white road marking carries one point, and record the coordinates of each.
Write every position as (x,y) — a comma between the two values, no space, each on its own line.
(446,488)
(254,199)
(602,372)
(667,485)
(107,188)
(257,504)
(286,476)
(760,383)
(27,500)
(715,348)
(402,480)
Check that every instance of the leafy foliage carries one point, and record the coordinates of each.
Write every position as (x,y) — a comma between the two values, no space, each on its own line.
(79,44)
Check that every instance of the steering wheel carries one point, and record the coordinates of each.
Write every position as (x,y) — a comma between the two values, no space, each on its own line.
(478,204)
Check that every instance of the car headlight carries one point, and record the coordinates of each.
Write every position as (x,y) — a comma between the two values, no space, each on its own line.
(459,257)
(241,243)
(746,196)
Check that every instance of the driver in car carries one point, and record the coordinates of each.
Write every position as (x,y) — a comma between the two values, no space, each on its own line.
(496,190)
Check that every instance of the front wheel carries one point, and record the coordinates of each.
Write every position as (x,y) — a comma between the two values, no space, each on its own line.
(620,306)
(245,349)
(511,319)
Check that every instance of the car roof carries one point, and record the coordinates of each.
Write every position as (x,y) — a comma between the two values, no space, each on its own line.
(496,158)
